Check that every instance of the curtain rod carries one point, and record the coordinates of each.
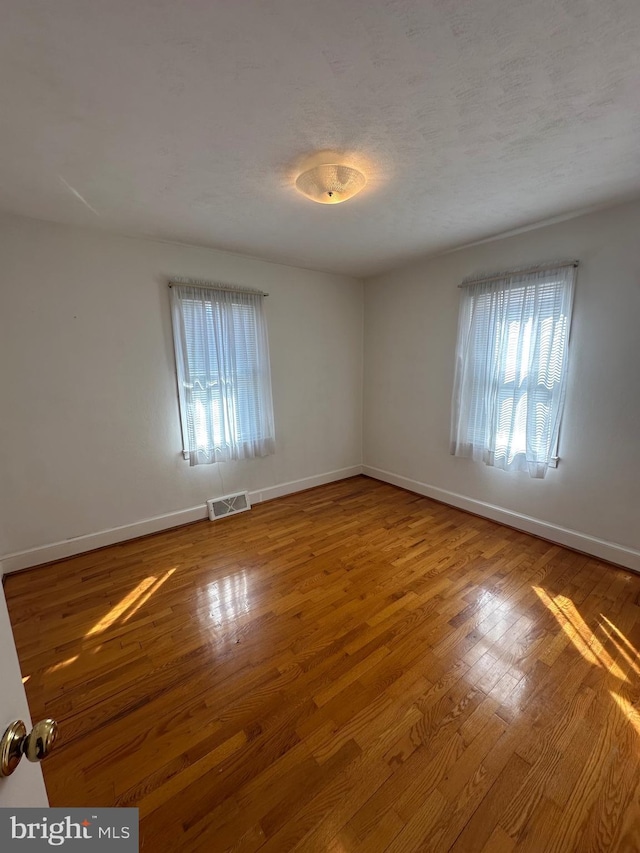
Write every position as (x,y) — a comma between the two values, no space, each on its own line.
(229,288)
(512,273)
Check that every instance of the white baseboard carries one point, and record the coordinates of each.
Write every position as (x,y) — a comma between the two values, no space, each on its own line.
(89,542)
(610,551)
(306,483)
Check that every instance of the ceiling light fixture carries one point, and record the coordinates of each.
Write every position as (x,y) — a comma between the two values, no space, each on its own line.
(330,183)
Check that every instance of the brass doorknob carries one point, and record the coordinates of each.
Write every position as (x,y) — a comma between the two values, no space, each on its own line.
(40,740)
(36,745)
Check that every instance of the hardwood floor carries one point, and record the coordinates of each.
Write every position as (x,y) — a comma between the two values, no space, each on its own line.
(350,668)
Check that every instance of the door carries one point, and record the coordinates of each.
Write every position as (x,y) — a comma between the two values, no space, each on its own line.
(25,787)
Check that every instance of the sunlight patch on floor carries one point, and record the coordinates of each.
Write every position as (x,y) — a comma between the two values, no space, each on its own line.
(621,643)
(147,595)
(131,603)
(574,626)
(61,665)
(630,712)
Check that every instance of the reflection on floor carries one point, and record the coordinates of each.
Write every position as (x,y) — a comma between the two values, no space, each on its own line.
(350,668)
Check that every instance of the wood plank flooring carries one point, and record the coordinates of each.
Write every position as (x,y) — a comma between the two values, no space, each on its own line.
(353,668)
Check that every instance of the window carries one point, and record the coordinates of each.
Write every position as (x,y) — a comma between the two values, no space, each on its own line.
(511,367)
(224,380)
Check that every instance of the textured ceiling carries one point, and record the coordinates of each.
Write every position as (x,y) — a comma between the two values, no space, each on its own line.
(186,120)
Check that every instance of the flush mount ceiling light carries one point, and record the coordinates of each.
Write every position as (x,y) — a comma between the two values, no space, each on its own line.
(330,183)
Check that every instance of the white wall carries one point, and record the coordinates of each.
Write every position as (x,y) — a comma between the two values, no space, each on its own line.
(90,432)
(410,334)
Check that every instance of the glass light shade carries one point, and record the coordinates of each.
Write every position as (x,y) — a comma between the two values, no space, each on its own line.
(330,183)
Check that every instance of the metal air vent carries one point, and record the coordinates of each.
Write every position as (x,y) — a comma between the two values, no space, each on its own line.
(228,505)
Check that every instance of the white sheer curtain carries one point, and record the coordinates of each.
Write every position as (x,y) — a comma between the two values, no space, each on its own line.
(224,378)
(511,368)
